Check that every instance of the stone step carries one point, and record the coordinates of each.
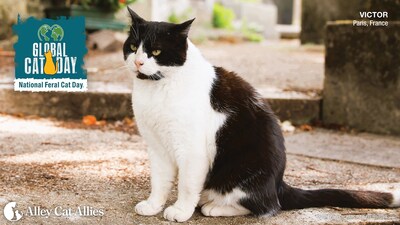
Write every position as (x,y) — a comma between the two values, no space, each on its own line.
(361,148)
(113,101)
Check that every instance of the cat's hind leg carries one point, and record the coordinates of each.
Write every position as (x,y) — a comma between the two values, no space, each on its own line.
(214,210)
(215,204)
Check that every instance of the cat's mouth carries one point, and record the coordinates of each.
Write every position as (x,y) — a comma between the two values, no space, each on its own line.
(155,76)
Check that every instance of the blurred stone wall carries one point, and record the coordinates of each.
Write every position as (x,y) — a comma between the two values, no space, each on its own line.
(390,6)
(362,77)
(285,11)
(141,7)
(315,14)
(9,10)
(36,7)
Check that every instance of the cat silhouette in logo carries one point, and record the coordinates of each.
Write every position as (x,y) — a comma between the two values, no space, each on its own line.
(11,213)
(49,67)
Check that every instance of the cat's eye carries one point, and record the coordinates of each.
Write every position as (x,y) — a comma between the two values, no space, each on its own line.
(156,52)
(133,47)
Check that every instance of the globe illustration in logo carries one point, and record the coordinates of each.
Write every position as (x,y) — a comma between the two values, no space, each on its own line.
(53,33)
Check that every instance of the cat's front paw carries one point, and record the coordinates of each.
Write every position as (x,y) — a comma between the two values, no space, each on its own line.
(145,208)
(176,214)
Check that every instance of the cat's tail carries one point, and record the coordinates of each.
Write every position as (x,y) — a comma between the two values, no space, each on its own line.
(295,198)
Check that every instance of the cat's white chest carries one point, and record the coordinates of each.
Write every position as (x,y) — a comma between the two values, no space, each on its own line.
(177,112)
(158,104)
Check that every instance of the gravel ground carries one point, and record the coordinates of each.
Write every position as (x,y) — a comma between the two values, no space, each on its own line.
(47,163)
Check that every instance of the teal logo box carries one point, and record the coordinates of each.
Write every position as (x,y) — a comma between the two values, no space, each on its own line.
(49,54)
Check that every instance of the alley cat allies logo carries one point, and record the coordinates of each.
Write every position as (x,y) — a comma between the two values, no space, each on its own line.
(49,54)
(14,212)
(11,213)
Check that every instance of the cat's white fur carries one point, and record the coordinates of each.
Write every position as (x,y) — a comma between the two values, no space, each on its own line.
(216,204)
(396,199)
(179,125)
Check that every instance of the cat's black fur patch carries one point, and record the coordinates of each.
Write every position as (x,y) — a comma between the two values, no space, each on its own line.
(156,76)
(250,146)
(251,156)
(167,37)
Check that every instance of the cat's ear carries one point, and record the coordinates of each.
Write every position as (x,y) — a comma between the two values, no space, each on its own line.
(184,27)
(136,19)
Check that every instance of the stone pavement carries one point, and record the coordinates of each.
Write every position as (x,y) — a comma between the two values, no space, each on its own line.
(50,163)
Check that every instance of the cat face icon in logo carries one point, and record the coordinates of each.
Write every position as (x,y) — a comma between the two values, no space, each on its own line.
(11,213)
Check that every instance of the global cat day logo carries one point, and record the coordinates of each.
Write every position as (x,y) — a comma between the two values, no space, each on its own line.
(49,54)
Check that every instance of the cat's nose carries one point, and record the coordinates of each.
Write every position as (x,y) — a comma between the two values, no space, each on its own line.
(138,63)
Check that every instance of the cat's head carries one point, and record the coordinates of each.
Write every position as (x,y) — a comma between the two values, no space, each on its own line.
(152,48)
(47,54)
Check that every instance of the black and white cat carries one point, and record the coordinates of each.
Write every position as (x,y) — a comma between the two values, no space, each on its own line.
(211,129)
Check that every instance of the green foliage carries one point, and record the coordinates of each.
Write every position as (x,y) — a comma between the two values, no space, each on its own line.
(251,33)
(222,16)
(175,18)
(253,36)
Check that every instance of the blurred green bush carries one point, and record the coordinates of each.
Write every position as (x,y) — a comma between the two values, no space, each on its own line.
(222,16)
(178,18)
